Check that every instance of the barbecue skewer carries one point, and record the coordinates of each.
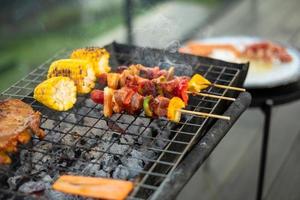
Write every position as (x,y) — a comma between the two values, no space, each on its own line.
(180,85)
(212,96)
(228,87)
(204,81)
(204,114)
(126,99)
(199,82)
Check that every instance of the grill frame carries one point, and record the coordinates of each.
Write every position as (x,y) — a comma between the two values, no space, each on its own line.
(132,54)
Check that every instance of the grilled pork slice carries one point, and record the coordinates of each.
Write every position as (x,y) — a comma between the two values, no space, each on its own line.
(17,123)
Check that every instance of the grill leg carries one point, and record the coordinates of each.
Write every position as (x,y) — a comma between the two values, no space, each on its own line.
(267,110)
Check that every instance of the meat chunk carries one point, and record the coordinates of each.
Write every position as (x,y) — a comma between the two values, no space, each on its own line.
(136,103)
(267,51)
(159,106)
(17,122)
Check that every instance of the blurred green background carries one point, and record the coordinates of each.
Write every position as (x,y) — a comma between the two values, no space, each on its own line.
(32,31)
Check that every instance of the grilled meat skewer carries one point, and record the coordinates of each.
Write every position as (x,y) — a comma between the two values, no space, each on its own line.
(127,100)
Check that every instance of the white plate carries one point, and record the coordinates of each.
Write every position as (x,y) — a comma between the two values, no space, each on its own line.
(277,74)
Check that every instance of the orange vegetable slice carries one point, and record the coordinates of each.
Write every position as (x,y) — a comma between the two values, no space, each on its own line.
(113,80)
(103,188)
(107,107)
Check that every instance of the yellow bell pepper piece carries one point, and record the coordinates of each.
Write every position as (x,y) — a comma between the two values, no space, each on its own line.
(198,83)
(175,105)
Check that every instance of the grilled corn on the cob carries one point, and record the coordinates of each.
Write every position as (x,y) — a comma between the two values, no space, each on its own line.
(98,56)
(58,93)
(80,71)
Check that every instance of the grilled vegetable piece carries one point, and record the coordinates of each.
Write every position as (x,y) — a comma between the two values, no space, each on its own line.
(99,57)
(57,93)
(146,106)
(102,188)
(174,107)
(80,71)
(197,83)
(113,80)
(18,121)
(97,96)
(108,106)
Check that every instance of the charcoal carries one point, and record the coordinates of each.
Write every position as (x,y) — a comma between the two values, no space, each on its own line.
(47,179)
(95,152)
(31,187)
(70,139)
(160,142)
(73,118)
(7,195)
(91,169)
(102,173)
(55,195)
(53,136)
(141,121)
(95,133)
(149,154)
(87,142)
(96,112)
(144,139)
(118,128)
(48,124)
(135,130)
(120,172)
(107,137)
(89,103)
(23,169)
(108,162)
(25,156)
(102,124)
(79,166)
(88,121)
(43,146)
(126,119)
(118,149)
(83,110)
(134,166)
(64,127)
(14,181)
(127,139)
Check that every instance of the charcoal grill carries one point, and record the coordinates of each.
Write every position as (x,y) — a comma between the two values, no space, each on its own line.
(151,152)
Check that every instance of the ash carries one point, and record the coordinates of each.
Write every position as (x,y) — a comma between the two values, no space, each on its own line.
(89,147)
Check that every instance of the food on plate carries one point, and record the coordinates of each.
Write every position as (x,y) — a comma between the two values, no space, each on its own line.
(127,100)
(203,49)
(100,188)
(263,53)
(266,51)
(57,93)
(18,121)
(80,71)
(99,57)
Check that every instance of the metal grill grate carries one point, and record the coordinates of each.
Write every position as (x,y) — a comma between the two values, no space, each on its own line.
(81,141)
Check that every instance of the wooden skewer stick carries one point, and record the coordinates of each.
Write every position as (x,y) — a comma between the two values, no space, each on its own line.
(212,96)
(204,114)
(229,87)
